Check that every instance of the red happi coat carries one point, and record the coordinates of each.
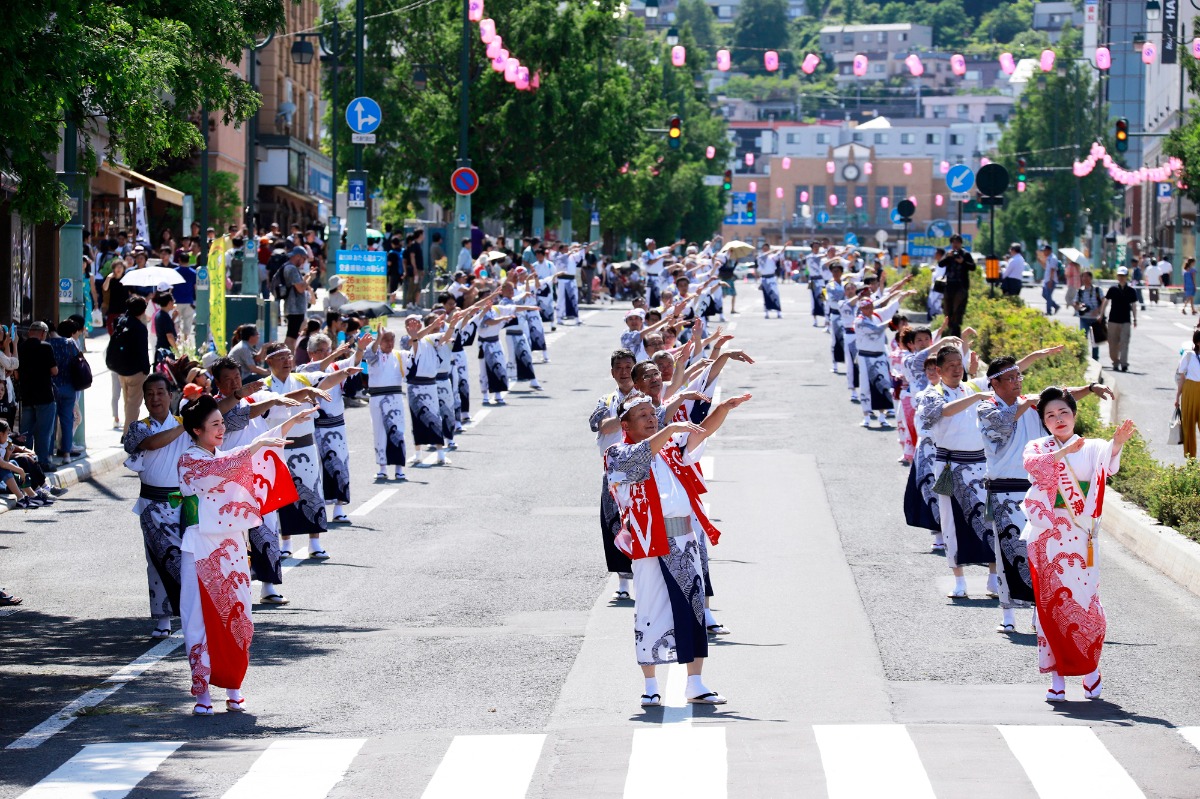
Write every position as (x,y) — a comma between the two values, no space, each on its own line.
(644,533)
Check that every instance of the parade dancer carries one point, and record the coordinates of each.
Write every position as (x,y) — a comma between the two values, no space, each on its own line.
(307,514)
(543,268)
(768,278)
(493,377)
(154,446)
(658,491)
(871,339)
(421,364)
(920,501)
(848,308)
(814,267)
(330,425)
(532,320)
(1064,506)
(835,293)
(520,360)
(464,336)
(1007,427)
(961,468)
(387,408)
(223,494)
(442,345)
(606,424)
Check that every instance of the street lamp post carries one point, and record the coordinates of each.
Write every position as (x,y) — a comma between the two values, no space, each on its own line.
(250,209)
(462,202)
(356,218)
(302,53)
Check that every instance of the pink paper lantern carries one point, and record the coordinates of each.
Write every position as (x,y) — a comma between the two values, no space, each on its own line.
(1149,53)
(944,167)
(753,186)
(937,200)
(678,55)
(1020,185)
(810,64)
(624,168)
(510,70)
(915,67)
(710,152)
(858,202)
(833,199)
(771,60)
(1008,64)
(913,200)
(487,30)
(500,62)
(868,168)
(860,65)
(523,78)
(779,193)
(958,65)
(1046,62)
(1103,58)
(494,46)
(536,80)
(1196,48)
(803,196)
(475,10)
(749,159)
(908,167)
(787,162)
(724,62)
(830,167)
(985,161)
(883,202)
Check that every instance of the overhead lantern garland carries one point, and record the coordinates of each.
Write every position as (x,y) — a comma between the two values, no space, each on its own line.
(519,75)
(1127,177)
(724,62)
(860,65)
(771,60)
(1007,63)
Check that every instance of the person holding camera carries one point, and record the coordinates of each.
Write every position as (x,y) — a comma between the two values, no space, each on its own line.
(958,264)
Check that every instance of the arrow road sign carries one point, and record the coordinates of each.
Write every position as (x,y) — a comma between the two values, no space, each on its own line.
(363,115)
(960,178)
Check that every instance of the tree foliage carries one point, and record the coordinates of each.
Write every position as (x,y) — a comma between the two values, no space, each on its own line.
(1053,129)
(134,71)
(760,25)
(696,16)
(604,82)
(1184,141)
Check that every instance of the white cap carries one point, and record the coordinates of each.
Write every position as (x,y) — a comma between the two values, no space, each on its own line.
(1122,270)
(635,312)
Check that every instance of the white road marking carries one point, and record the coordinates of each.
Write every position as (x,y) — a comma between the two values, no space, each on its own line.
(1042,751)
(477,418)
(895,767)
(107,771)
(1182,326)
(1191,735)
(374,502)
(495,766)
(297,769)
(650,775)
(730,327)
(676,709)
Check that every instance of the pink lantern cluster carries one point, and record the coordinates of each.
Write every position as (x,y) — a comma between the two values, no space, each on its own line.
(1127,177)
(513,70)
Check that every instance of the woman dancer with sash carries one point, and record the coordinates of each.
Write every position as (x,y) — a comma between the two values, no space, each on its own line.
(1063,509)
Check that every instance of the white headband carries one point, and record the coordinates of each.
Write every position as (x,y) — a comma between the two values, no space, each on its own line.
(1013,368)
(629,406)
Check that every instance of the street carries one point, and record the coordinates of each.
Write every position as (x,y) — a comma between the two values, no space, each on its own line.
(462,642)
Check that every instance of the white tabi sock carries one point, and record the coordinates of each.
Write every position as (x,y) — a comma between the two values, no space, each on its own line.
(695,686)
(337,509)
(441,455)
(623,584)
(651,686)
(709,619)
(1009,617)
(204,699)
(1057,682)
(233,693)
(938,540)
(993,583)
(960,585)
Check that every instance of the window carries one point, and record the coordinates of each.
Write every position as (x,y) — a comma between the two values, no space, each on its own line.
(822,138)
(898,193)
(866,38)
(818,199)
(958,138)
(830,39)
(847,38)
(287,90)
(962,110)
(793,138)
(904,37)
(882,37)
(933,138)
(879,68)
(881,138)
(310,118)
(725,12)
(990,138)
(908,138)
(801,191)
(858,137)
(939,112)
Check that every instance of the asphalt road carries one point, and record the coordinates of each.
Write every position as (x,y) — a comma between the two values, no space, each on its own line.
(461,642)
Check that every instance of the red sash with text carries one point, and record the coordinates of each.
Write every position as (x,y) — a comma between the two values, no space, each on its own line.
(643,518)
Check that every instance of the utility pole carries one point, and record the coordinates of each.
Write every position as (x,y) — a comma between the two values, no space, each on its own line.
(462,202)
(70,251)
(202,297)
(356,218)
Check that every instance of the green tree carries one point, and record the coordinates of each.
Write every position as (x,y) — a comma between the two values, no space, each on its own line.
(696,16)
(760,25)
(135,71)
(1053,128)
(1184,141)
(1003,23)
(224,195)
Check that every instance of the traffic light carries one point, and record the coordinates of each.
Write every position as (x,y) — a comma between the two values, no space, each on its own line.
(675,132)
(728,184)
(1020,174)
(1122,135)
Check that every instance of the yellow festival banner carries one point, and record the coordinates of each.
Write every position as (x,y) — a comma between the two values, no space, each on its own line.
(216,292)
(364,274)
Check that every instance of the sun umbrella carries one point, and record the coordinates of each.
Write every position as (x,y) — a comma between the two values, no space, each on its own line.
(370,308)
(738,249)
(1072,254)
(497,255)
(150,276)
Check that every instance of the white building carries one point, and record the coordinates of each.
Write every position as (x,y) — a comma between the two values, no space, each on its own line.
(885,47)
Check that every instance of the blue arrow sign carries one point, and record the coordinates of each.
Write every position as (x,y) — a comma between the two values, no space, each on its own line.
(960,178)
(896,218)
(363,115)
(851,239)
(822,217)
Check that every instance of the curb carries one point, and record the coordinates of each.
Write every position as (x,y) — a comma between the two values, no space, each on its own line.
(104,461)
(1163,548)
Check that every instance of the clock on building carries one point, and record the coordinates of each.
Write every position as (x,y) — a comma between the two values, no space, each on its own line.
(851,172)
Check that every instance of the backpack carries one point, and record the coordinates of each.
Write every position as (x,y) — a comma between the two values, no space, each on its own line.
(279,289)
(81,373)
(237,264)
(119,354)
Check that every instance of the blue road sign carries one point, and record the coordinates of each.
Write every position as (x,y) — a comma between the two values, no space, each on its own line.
(363,115)
(822,217)
(940,228)
(356,193)
(1163,192)
(744,209)
(960,178)
(850,239)
(896,218)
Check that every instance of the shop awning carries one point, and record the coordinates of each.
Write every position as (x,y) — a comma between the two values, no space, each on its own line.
(295,195)
(162,190)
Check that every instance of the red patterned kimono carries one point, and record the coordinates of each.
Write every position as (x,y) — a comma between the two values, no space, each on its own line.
(224,496)
(1063,509)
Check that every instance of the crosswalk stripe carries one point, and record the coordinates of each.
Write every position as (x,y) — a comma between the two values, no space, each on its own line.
(676,709)
(110,771)
(656,753)
(1066,762)
(895,766)
(374,502)
(297,769)
(496,766)
(1191,735)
